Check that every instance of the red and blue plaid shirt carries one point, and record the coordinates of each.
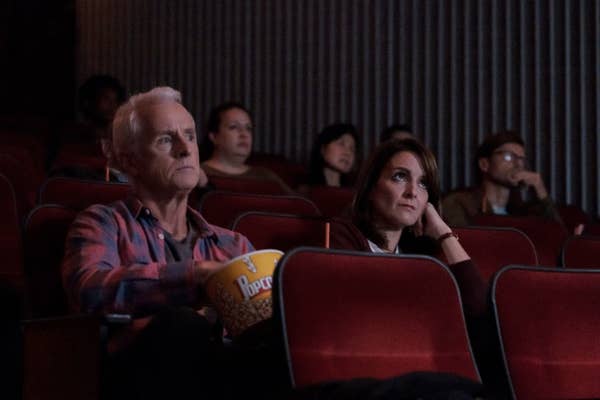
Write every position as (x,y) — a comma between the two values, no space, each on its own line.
(115,260)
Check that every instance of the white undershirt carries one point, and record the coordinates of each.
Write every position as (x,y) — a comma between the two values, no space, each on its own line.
(499,210)
(376,249)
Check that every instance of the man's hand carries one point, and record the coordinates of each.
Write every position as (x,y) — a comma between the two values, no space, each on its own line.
(530,179)
(207,268)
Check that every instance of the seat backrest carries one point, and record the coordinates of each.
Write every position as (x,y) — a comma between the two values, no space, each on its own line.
(292,173)
(221,208)
(332,201)
(573,215)
(61,358)
(11,268)
(355,314)
(581,252)
(280,231)
(546,234)
(23,179)
(80,193)
(246,185)
(492,248)
(45,232)
(592,229)
(548,323)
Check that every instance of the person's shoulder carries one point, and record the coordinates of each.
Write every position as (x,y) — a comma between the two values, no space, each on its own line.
(210,171)
(262,172)
(103,213)
(461,194)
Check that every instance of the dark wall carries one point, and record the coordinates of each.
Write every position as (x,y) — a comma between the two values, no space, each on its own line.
(37,47)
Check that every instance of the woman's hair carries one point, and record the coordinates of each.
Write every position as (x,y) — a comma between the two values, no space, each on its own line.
(317,162)
(362,211)
(212,126)
(126,125)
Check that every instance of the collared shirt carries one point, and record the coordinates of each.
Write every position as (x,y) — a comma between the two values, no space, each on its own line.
(115,260)
(376,249)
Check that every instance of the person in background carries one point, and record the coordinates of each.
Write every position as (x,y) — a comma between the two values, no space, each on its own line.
(149,256)
(228,144)
(396,131)
(85,148)
(99,98)
(503,179)
(394,211)
(333,157)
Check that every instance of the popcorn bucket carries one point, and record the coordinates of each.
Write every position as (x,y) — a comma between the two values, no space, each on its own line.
(241,291)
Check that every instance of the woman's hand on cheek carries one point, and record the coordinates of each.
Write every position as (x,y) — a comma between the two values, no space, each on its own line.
(435,225)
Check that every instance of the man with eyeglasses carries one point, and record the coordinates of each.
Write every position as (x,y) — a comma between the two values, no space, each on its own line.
(506,185)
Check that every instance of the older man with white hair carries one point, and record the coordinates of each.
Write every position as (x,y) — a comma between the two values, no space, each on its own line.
(149,255)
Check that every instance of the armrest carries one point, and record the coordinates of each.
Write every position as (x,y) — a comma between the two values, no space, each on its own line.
(61,358)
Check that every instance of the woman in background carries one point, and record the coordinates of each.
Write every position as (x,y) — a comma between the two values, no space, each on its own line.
(333,157)
(228,144)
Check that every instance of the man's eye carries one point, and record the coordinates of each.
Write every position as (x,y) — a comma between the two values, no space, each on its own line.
(191,137)
(164,140)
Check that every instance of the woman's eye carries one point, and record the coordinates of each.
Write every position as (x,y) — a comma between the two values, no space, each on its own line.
(423,185)
(399,176)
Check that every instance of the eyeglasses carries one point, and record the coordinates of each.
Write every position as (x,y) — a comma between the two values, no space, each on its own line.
(509,156)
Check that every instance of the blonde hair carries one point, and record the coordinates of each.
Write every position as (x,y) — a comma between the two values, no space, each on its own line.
(126,124)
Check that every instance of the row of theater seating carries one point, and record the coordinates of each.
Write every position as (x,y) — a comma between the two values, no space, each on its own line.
(269,221)
(285,222)
(381,316)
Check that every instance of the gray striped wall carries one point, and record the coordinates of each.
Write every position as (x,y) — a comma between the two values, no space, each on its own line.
(455,70)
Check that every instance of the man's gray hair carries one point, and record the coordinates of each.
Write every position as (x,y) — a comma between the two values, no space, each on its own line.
(126,124)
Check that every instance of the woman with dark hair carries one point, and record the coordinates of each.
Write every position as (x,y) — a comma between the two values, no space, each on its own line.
(228,144)
(333,156)
(395,211)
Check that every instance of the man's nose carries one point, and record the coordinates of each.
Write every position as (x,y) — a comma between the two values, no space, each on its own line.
(182,146)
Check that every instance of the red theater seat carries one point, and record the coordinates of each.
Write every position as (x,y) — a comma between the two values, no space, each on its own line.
(11,270)
(246,185)
(24,180)
(332,201)
(354,314)
(45,232)
(547,235)
(548,322)
(221,208)
(61,358)
(79,193)
(492,248)
(280,231)
(581,252)
(572,216)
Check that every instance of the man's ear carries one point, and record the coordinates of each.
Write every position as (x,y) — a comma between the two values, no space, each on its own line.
(484,164)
